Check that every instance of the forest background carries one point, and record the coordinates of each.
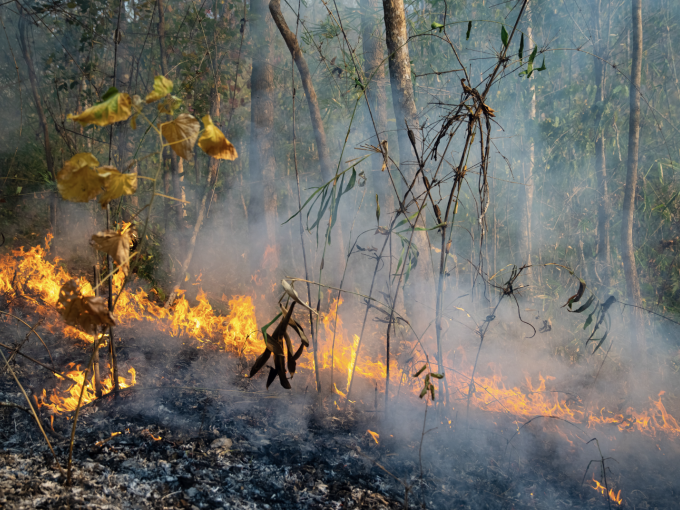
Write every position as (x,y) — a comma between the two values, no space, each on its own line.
(558,174)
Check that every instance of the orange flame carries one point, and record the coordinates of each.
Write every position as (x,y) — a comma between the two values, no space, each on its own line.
(615,497)
(374,435)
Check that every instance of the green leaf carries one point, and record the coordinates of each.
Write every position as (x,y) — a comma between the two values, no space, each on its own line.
(533,54)
(589,320)
(377,208)
(420,371)
(432,391)
(406,220)
(352,181)
(434,26)
(504,36)
(266,326)
(520,53)
(424,392)
(438,376)
(467,35)
(542,68)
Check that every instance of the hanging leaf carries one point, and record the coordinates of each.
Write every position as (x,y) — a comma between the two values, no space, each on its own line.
(435,26)
(584,307)
(116,184)
(469,29)
(79,180)
(169,105)
(114,107)
(260,362)
(272,375)
(589,319)
(161,88)
(520,53)
(542,68)
(214,143)
(420,371)
(115,244)
(377,208)
(181,133)
(504,36)
(352,180)
(579,294)
(599,341)
(292,293)
(83,312)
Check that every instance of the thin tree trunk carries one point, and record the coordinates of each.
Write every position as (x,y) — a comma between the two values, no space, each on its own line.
(263,205)
(526,192)
(603,247)
(26,52)
(405,112)
(174,164)
(372,40)
(627,248)
(294,47)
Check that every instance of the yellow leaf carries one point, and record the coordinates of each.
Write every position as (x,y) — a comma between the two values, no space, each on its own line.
(214,143)
(79,180)
(115,244)
(161,88)
(114,107)
(169,105)
(181,133)
(116,184)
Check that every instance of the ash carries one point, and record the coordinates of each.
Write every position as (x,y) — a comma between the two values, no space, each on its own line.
(192,434)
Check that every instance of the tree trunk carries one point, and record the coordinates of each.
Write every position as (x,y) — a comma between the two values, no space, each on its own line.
(174,164)
(603,248)
(400,78)
(372,39)
(26,52)
(526,192)
(627,248)
(262,208)
(294,48)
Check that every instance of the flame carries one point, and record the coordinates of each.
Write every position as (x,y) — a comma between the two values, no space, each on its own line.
(615,497)
(374,435)
(65,401)
(29,275)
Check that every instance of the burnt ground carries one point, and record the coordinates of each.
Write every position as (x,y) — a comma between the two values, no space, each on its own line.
(195,434)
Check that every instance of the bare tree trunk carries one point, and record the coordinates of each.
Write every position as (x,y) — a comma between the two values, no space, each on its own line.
(627,248)
(26,52)
(603,247)
(174,164)
(263,205)
(314,111)
(374,53)
(526,192)
(405,112)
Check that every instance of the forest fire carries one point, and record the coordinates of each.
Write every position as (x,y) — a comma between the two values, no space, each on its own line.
(66,401)
(29,274)
(613,496)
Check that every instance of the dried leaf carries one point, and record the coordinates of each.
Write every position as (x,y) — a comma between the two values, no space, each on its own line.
(214,143)
(161,88)
(296,327)
(181,133)
(114,107)
(294,295)
(84,312)
(579,294)
(290,358)
(272,375)
(260,362)
(115,244)
(116,184)
(79,180)
(280,368)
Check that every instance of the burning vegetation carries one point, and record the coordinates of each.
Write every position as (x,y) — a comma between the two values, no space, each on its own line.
(172,340)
